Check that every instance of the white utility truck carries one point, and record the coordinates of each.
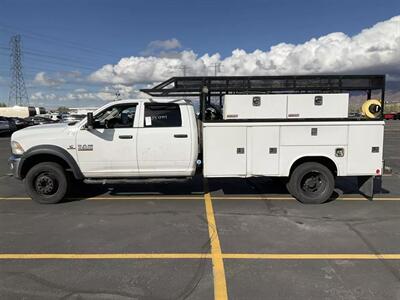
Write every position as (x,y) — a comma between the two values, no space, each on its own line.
(296,127)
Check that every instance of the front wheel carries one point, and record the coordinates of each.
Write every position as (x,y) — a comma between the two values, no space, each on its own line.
(311,183)
(46,183)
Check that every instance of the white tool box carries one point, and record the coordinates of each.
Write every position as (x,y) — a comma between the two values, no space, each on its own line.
(323,106)
(255,107)
(286,106)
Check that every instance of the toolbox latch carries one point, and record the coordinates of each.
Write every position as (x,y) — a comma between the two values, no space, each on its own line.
(318,100)
(240,150)
(256,101)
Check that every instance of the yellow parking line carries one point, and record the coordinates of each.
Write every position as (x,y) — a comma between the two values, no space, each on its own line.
(260,256)
(308,256)
(278,198)
(15,198)
(189,197)
(77,256)
(252,198)
(374,199)
(284,198)
(220,290)
(120,198)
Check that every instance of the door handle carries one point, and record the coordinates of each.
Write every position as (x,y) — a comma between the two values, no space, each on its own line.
(180,136)
(125,137)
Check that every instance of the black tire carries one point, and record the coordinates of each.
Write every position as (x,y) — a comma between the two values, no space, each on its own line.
(311,183)
(46,183)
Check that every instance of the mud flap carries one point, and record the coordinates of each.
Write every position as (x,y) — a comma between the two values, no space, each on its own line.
(369,185)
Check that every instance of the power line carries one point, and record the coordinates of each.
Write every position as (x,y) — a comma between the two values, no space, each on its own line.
(184,69)
(54,57)
(40,53)
(57,63)
(48,63)
(70,44)
(217,68)
(18,94)
(52,61)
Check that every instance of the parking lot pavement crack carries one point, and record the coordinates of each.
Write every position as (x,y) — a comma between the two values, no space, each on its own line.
(320,218)
(56,290)
(25,277)
(296,219)
(349,293)
(101,295)
(394,271)
(197,276)
(155,213)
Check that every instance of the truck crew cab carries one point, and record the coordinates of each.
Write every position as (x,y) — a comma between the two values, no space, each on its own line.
(292,127)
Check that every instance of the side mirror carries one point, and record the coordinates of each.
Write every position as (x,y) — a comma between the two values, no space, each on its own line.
(90,120)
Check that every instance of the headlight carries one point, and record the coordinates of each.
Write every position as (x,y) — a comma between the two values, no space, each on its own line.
(16,148)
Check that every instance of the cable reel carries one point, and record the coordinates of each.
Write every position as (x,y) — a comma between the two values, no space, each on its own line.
(372,108)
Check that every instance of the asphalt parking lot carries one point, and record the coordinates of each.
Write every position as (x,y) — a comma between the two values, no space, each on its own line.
(242,239)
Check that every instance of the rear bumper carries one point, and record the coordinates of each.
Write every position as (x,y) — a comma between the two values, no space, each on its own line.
(14,165)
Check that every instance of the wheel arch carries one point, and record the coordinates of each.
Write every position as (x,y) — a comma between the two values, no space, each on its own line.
(48,153)
(324,160)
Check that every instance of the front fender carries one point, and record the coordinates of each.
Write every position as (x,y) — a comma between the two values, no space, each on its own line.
(49,150)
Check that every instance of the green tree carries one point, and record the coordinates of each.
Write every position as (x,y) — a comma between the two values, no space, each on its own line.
(2,104)
(63,109)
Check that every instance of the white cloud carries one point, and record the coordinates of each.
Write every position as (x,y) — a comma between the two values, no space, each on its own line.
(42,78)
(160,47)
(166,44)
(108,93)
(373,50)
(40,96)
(56,79)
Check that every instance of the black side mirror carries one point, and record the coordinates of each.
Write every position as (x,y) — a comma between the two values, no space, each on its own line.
(90,120)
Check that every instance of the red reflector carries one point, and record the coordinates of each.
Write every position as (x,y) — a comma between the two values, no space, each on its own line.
(378,171)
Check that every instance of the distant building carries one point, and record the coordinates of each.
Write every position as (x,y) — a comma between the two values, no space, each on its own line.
(21,111)
(81,110)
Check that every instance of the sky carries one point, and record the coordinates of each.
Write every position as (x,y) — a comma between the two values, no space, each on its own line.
(79,53)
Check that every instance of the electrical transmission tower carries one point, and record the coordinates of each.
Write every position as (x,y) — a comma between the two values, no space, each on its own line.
(217,68)
(184,69)
(18,94)
(117,94)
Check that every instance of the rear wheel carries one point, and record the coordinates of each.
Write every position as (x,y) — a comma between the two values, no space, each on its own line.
(311,183)
(46,183)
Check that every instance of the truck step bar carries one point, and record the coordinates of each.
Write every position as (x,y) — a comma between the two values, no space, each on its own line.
(135,180)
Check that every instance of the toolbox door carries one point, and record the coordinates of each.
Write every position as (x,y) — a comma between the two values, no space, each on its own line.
(263,145)
(224,151)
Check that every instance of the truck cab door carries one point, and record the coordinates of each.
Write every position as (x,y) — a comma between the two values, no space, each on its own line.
(109,149)
(165,140)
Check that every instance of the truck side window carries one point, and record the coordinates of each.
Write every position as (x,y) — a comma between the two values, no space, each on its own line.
(118,116)
(162,115)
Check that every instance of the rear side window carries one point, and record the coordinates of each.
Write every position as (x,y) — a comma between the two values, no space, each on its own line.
(162,115)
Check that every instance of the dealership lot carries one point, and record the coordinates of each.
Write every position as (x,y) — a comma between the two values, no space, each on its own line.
(201,240)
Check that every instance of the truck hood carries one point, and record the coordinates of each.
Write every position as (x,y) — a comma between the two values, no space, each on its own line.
(41,129)
(44,134)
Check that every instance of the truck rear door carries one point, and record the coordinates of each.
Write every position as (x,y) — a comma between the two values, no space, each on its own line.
(164,142)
